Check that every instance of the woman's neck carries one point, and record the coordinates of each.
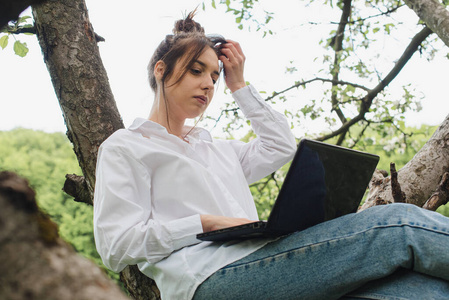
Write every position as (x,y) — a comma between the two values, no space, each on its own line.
(173,125)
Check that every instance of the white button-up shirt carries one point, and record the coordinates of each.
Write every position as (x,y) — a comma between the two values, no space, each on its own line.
(152,187)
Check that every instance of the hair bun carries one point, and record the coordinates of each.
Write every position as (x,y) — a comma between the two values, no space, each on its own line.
(187,25)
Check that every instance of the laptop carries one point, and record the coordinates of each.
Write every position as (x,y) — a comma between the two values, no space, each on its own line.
(324,182)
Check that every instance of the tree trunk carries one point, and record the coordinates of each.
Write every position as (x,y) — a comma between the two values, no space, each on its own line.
(69,47)
(70,51)
(434,14)
(35,262)
(420,177)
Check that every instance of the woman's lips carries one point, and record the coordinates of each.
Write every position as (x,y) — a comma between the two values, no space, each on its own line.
(201,99)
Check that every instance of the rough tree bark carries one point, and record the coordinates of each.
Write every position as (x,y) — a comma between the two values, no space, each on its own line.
(420,177)
(36,263)
(434,14)
(69,47)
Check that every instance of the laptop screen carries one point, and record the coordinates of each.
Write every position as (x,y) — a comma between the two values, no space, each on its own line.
(325,181)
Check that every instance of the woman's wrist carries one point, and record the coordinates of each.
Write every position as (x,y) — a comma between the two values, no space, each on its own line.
(205,219)
(237,86)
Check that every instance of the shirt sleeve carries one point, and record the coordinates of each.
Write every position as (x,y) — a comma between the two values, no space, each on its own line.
(275,144)
(124,232)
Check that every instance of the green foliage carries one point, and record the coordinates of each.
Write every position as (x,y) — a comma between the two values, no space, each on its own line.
(22,25)
(4,41)
(247,12)
(20,48)
(444,210)
(349,70)
(397,147)
(44,159)
(266,190)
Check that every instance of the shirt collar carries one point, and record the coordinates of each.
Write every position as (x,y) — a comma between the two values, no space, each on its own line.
(148,128)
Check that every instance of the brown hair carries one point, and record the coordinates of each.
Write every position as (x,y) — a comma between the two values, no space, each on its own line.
(187,41)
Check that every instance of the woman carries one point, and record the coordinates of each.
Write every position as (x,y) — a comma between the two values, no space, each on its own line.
(159,183)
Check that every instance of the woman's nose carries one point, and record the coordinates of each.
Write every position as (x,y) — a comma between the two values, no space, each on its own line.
(208,83)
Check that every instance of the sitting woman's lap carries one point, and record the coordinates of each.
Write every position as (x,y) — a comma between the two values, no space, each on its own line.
(334,258)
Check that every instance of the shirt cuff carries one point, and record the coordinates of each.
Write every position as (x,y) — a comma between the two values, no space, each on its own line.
(184,231)
(248,99)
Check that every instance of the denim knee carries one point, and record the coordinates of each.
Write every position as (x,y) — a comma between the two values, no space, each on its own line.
(398,210)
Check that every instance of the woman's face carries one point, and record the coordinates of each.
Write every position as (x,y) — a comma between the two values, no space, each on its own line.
(190,97)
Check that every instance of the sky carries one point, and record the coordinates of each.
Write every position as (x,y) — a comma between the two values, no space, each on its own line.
(134,30)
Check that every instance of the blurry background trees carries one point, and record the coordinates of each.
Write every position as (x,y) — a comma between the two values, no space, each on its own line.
(44,159)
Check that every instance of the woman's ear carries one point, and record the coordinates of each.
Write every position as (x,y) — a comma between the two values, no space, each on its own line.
(159,70)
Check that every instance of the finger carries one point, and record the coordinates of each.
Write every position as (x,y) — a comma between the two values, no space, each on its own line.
(233,49)
(233,56)
(228,54)
(236,46)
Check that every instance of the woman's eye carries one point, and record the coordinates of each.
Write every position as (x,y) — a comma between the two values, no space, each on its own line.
(195,71)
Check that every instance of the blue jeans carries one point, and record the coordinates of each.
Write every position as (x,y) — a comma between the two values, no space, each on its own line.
(396,251)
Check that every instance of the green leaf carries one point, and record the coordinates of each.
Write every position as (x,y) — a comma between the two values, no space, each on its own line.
(20,48)
(4,41)
(213,4)
(23,19)
(387,27)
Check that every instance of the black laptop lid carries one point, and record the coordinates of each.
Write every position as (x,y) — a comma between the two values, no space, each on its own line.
(325,181)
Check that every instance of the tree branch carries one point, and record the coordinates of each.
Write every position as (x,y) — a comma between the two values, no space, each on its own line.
(405,57)
(12,9)
(440,196)
(398,194)
(369,97)
(235,109)
(304,83)
(342,129)
(76,186)
(19,30)
(385,13)
(262,185)
(362,132)
(338,47)
(434,14)
(138,285)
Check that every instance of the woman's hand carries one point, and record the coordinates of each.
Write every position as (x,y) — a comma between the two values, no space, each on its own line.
(211,222)
(233,63)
